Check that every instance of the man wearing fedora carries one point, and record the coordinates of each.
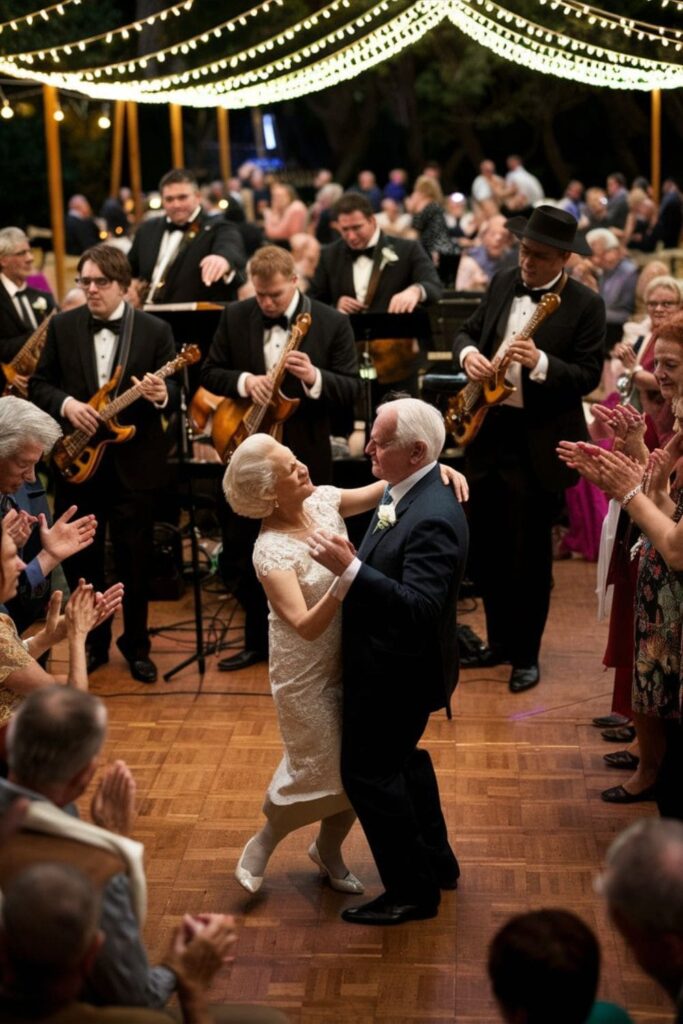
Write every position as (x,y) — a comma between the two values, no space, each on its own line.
(516,480)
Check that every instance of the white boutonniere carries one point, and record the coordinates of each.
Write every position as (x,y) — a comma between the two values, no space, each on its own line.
(39,304)
(386,516)
(389,255)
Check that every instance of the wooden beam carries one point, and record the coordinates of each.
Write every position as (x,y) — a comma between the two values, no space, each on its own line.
(119,119)
(54,177)
(134,156)
(175,112)
(656,143)
(224,156)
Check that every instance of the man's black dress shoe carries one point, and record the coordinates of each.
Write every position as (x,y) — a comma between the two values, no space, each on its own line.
(242,660)
(144,670)
(524,678)
(474,653)
(93,660)
(383,911)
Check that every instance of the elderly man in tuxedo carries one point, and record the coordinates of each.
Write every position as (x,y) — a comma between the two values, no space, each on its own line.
(399,658)
(22,308)
(186,255)
(83,348)
(516,479)
(322,373)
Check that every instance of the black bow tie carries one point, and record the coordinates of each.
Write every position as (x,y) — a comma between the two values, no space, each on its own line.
(355,253)
(105,325)
(170,226)
(535,294)
(275,321)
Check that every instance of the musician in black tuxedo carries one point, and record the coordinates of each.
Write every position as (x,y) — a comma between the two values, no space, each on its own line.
(322,373)
(83,348)
(516,479)
(187,256)
(400,660)
(22,308)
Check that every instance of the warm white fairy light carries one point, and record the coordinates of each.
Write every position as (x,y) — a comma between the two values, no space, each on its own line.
(27,20)
(631,28)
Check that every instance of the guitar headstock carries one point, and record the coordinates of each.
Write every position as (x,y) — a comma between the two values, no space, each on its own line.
(189,354)
(549,303)
(302,323)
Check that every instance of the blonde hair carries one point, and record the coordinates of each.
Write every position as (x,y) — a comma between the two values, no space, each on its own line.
(427,186)
(271,260)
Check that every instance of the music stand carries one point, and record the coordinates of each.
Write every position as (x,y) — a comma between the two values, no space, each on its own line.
(369,327)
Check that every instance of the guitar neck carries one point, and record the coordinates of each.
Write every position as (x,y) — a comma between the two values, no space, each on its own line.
(254,417)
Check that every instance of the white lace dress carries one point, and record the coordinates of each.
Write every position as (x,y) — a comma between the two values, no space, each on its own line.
(305,675)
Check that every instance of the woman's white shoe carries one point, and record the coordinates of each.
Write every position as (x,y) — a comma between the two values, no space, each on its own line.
(252,883)
(349,883)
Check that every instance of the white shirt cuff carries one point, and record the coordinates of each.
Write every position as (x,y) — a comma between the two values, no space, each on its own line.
(465,352)
(540,370)
(63,407)
(316,388)
(342,585)
(161,405)
(242,384)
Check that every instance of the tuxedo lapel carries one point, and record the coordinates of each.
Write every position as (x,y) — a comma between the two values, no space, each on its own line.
(500,316)
(255,355)
(373,536)
(11,309)
(344,270)
(86,352)
(176,268)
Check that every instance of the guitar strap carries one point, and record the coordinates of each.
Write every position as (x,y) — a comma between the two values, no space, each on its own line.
(123,350)
(375,274)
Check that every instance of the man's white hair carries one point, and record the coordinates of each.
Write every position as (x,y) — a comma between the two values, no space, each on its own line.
(10,238)
(418,421)
(249,481)
(603,235)
(23,423)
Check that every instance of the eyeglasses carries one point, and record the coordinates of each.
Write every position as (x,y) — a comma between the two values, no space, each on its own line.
(662,305)
(99,282)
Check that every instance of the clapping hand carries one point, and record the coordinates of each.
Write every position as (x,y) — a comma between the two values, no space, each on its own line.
(627,426)
(67,536)
(583,458)
(113,803)
(200,946)
(19,525)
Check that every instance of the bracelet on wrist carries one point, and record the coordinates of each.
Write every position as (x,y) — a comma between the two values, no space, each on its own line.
(631,495)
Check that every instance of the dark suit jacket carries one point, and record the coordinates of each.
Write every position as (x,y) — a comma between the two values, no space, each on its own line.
(573,338)
(238,347)
(81,233)
(334,275)
(183,281)
(399,630)
(13,330)
(67,370)
(34,588)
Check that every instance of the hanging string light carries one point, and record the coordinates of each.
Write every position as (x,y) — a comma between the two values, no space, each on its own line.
(27,20)
(631,28)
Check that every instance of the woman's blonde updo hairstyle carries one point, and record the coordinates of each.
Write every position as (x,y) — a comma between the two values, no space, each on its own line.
(249,481)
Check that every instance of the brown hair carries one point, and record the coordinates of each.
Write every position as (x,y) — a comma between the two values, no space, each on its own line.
(271,260)
(110,260)
(672,328)
(353,202)
(178,176)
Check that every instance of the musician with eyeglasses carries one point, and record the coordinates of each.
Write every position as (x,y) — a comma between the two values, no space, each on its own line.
(322,373)
(22,308)
(516,480)
(84,347)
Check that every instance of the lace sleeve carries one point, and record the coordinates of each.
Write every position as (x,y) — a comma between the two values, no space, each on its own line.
(275,551)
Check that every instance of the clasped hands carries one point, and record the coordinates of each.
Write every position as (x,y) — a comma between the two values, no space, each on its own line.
(85,610)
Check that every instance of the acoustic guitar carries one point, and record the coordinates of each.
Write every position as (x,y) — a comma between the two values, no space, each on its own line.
(25,361)
(238,418)
(466,410)
(78,454)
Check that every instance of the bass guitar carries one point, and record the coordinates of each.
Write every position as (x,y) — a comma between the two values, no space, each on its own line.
(25,361)
(466,410)
(78,454)
(238,418)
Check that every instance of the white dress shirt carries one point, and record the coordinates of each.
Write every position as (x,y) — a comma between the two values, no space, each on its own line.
(170,243)
(362,270)
(21,301)
(274,342)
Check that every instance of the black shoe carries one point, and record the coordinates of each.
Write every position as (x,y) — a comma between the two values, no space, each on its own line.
(383,911)
(474,653)
(93,660)
(144,670)
(524,678)
(242,660)
(612,721)
(622,759)
(619,795)
(622,734)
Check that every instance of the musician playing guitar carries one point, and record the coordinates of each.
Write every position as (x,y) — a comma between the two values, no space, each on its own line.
(516,481)
(322,373)
(83,350)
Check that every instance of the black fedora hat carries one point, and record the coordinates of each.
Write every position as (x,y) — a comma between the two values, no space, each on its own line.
(551,226)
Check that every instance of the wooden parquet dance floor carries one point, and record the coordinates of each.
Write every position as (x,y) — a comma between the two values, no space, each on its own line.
(520,778)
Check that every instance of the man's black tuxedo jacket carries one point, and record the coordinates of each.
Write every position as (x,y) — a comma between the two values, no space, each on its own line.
(399,633)
(67,370)
(238,348)
(573,338)
(217,237)
(13,330)
(334,275)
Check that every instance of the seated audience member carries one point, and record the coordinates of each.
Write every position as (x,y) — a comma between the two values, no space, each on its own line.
(572,200)
(305,251)
(544,967)
(460,221)
(54,744)
(260,190)
(595,213)
(393,221)
(479,264)
(641,212)
(80,226)
(643,886)
(396,187)
(617,280)
(426,206)
(652,269)
(617,201)
(321,213)
(368,187)
(286,215)
(487,189)
(523,190)
(669,223)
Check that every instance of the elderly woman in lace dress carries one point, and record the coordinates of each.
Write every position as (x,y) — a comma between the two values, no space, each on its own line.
(265,480)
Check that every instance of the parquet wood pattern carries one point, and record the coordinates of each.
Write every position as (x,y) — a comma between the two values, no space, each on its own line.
(520,777)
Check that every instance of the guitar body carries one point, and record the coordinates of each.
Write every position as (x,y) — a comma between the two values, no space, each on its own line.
(79,469)
(11,385)
(464,422)
(202,407)
(231,421)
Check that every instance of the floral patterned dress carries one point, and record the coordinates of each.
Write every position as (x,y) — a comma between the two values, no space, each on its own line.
(659,633)
(13,655)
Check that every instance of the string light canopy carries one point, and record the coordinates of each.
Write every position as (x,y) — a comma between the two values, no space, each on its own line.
(27,20)
(297,64)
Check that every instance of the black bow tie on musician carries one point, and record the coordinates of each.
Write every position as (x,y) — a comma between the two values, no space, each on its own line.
(275,321)
(535,294)
(170,226)
(105,325)
(355,253)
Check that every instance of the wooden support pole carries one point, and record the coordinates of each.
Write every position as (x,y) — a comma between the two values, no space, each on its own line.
(656,143)
(175,112)
(134,157)
(224,157)
(54,177)
(119,119)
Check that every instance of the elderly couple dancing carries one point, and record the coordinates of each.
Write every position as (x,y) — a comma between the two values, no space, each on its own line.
(362,650)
